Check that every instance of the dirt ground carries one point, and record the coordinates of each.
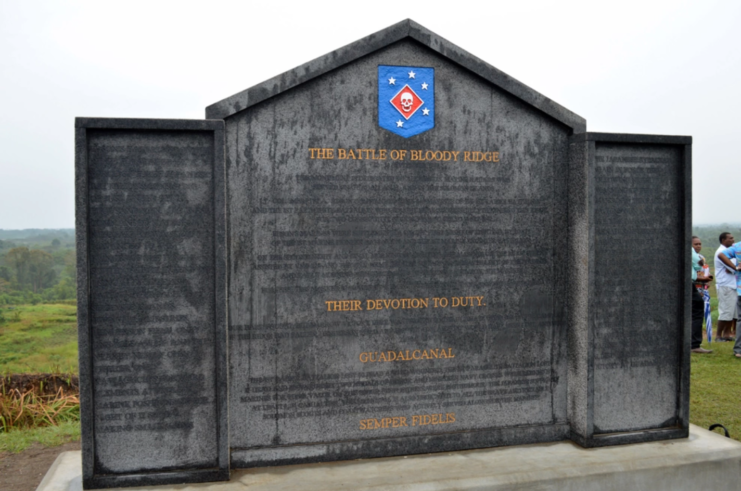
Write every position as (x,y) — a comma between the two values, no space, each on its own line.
(24,471)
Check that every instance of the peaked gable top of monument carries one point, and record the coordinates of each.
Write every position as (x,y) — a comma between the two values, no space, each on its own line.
(397,32)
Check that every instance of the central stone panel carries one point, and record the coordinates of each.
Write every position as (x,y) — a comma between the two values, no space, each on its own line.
(392,294)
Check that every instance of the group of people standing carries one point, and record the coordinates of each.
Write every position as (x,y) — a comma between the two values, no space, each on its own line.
(728,284)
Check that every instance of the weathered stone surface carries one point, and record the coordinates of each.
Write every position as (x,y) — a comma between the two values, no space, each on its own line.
(629,350)
(151,299)
(480,281)
(308,228)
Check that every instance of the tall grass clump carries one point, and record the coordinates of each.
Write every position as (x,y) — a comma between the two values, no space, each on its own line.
(38,401)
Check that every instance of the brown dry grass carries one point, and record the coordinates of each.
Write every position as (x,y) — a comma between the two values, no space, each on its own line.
(38,400)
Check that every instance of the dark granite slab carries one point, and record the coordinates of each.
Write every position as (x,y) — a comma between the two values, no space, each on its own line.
(309,227)
(488,280)
(151,301)
(629,345)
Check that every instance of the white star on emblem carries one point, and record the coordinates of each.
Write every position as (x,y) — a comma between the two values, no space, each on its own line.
(412,74)
(425,112)
(400,124)
(392,81)
(424,85)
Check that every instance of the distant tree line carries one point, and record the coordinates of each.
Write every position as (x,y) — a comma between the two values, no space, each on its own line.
(39,265)
(37,272)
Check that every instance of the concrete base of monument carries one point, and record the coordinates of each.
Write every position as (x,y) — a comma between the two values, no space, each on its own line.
(705,460)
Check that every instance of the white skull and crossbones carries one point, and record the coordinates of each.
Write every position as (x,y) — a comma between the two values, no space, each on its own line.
(406,102)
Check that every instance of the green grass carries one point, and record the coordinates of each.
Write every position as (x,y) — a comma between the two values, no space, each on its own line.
(51,436)
(38,338)
(715,379)
(715,385)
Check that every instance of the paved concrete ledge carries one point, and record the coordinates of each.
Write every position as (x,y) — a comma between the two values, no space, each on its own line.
(705,460)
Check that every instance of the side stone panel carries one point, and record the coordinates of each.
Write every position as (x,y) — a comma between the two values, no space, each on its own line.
(150,216)
(636,341)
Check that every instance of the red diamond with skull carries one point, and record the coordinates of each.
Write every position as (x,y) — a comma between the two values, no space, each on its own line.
(406,101)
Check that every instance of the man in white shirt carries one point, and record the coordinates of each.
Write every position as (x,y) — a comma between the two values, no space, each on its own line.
(725,282)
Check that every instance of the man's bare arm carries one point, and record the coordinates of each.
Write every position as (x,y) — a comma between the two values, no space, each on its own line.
(726,261)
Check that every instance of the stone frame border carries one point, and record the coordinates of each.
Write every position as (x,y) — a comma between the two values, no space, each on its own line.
(84,329)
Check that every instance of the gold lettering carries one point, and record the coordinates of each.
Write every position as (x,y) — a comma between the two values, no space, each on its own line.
(418,155)
(432,419)
(409,355)
(321,153)
(385,422)
(343,305)
(331,305)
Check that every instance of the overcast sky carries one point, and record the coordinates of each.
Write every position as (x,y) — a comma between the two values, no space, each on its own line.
(661,67)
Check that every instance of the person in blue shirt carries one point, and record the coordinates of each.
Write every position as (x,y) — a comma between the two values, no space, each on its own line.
(734,252)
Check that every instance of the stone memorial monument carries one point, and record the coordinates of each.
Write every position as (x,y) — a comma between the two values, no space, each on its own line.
(392,249)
